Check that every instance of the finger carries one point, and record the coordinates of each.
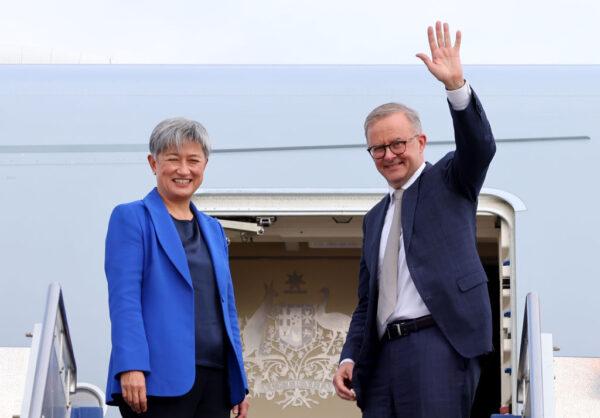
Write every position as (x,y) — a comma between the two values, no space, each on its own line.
(431,39)
(447,38)
(458,39)
(345,394)
(438,34)
(143,400)
(135,402)
(125,394)
(342,392)
(340,388)
(244,409)
(426,60)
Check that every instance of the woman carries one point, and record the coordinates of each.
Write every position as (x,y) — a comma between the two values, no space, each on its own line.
(176,349)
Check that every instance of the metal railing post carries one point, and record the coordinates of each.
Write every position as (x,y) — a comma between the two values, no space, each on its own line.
(530,385)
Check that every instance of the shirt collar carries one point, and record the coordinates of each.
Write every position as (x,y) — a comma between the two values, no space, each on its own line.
(410,181)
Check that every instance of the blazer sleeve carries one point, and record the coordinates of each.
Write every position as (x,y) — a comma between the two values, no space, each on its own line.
(475,148)
(123,264)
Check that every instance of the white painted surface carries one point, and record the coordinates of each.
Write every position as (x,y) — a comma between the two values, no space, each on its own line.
(548,375)
(577,387)
(13,371)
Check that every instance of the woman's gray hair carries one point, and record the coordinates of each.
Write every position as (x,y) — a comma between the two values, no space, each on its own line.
(174,132)
(387,109)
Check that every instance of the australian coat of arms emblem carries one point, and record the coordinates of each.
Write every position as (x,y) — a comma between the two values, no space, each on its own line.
(291,350)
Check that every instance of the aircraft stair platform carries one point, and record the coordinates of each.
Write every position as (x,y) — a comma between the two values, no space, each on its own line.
(576,387)
(41,380)
(549,386)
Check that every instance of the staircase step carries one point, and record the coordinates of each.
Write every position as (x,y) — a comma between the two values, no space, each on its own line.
(87,412)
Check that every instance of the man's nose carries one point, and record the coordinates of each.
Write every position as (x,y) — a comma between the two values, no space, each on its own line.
(389,155)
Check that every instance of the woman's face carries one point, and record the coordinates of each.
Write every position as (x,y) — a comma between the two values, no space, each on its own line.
(179,172)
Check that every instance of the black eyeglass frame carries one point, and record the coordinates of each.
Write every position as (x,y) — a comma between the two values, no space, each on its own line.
(391,145)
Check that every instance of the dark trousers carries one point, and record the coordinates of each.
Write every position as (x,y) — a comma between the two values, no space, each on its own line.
(208,398)
(421,376)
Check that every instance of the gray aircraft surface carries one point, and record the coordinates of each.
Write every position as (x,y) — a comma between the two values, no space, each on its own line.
(290,181)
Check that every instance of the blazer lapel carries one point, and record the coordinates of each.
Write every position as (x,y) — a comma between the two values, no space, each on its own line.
(214,241)
(167,233)
(409,206)
(378,219)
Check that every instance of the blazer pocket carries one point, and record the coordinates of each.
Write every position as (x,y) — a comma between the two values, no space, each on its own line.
(470,281)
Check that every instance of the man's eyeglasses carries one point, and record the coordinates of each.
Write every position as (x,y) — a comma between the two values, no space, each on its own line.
(397,146)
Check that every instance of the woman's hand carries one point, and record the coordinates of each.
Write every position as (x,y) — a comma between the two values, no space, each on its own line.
(133,387)
(241,410)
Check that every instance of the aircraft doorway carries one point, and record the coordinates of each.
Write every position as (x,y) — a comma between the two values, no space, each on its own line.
(295,284)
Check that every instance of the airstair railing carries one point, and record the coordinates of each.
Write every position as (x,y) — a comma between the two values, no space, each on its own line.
(530,390)
(54,376)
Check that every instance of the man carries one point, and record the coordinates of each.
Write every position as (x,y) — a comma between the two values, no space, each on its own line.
(423,315)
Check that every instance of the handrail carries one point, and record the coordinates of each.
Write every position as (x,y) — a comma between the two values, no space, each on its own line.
(530,390)
(55,353)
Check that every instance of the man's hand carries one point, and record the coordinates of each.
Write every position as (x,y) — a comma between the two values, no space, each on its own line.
(133,387)
(241,410)
(444,63)
(342,380)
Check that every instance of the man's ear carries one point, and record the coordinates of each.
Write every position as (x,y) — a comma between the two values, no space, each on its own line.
(422,142)
(152,163)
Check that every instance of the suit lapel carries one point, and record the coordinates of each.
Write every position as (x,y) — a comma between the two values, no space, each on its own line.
(409,207)
(214,242)
(167,233)
(378,218)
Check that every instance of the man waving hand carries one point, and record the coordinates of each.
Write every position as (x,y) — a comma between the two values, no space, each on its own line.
(423,316)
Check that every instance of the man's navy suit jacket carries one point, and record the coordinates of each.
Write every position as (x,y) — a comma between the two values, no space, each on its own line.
(439,233)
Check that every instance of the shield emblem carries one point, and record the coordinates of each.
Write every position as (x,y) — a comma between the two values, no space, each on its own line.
(296,325)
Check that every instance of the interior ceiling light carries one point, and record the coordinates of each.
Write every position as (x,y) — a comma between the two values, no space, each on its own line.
(342,219)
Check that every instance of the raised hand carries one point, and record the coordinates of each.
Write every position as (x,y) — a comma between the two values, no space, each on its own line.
(444,63)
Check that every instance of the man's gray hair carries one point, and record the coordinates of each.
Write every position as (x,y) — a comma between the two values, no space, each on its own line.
(174,132)
(387,109)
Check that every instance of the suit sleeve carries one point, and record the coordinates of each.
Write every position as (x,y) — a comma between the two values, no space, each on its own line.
(124,260)
(356,331)
(475,148)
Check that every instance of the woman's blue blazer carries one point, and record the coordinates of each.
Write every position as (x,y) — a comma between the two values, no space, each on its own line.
(151,300)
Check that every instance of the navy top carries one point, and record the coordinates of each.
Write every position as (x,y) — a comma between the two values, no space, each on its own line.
(210,330)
